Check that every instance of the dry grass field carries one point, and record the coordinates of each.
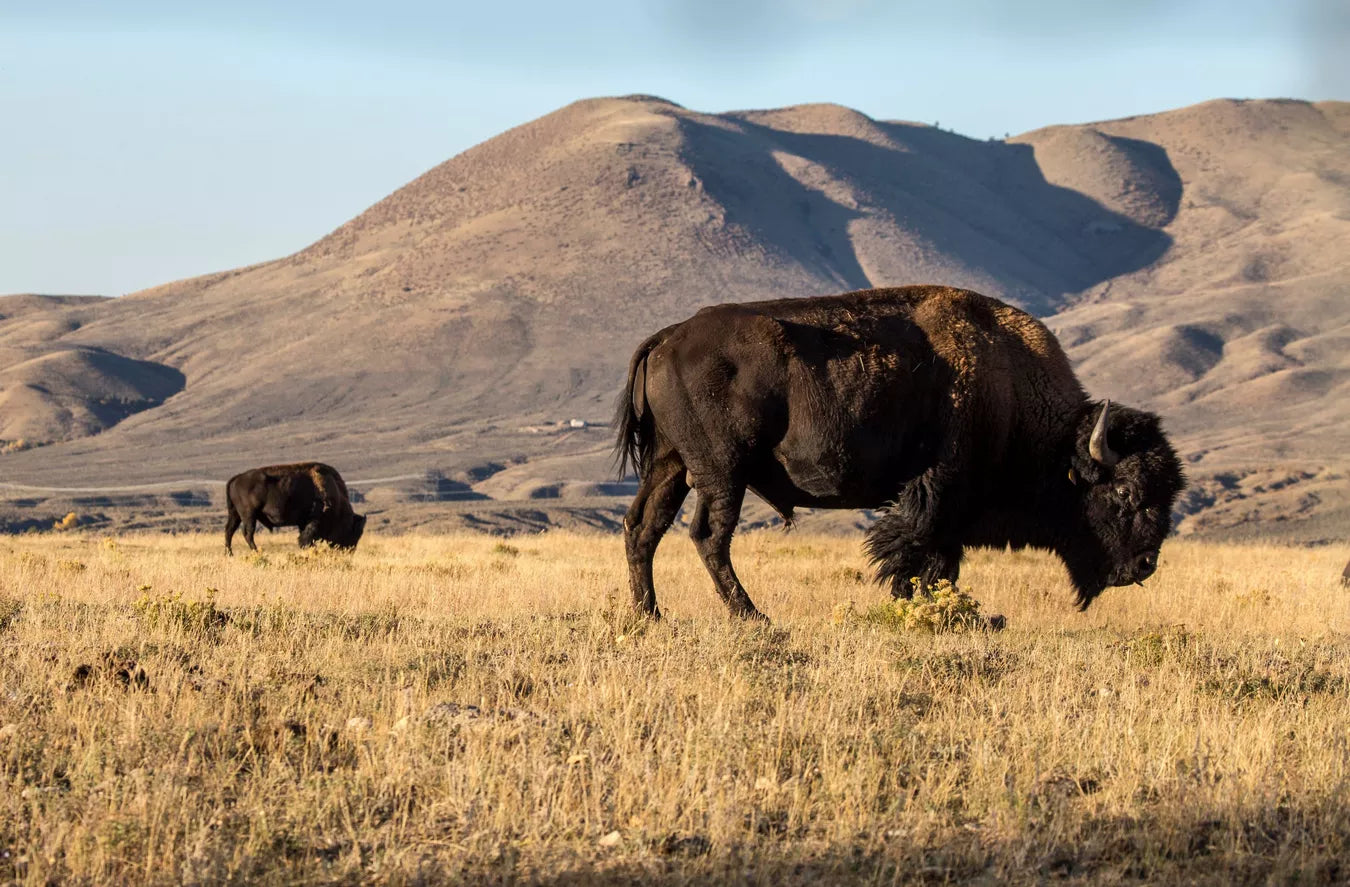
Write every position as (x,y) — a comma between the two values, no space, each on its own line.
(459,708)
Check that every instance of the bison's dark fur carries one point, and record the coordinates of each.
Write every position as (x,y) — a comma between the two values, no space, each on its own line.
(308,495)
(957,414)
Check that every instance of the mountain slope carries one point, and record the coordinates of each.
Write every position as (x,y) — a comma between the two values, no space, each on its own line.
(1194,262)
(1240,334)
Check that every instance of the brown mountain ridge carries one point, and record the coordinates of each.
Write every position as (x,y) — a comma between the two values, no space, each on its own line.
(1195,262)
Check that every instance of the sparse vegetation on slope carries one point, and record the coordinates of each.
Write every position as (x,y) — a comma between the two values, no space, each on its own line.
(432,708)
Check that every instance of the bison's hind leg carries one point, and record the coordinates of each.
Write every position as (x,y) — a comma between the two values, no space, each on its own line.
(659,496)
(250,525)
(711,528)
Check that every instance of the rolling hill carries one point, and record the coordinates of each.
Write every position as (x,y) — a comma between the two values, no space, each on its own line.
(454,337)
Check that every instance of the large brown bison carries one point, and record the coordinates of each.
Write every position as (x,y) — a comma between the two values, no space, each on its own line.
(956,413)
(308,495)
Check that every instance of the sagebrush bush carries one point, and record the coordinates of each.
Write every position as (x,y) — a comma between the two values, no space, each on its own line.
(173,611)
(946,608)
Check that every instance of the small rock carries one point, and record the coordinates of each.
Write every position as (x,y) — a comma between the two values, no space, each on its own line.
(358,724)
(446,714)
(610,840)
(401,725)
(34,791)
(8,731)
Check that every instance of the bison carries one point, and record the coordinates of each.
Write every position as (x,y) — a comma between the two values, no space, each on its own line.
(956,414)
(308,495)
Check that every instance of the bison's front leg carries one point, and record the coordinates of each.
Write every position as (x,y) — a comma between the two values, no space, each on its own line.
(899,556)
(914,537)
(943,565)
(309,533)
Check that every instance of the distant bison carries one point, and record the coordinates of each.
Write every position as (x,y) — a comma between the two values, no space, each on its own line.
(957,414)
(308,495)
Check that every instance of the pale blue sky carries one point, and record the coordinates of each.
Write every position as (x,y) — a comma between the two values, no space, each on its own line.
(145,141)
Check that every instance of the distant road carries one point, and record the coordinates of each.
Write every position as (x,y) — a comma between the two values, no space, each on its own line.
(186,482)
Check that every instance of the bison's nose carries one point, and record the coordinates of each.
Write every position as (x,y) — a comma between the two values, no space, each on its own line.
(1145,564)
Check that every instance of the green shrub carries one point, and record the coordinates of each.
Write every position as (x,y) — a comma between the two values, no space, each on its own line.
(946,608)
(192,617)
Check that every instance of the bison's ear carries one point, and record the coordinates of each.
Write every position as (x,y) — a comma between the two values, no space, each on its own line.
(1083,469)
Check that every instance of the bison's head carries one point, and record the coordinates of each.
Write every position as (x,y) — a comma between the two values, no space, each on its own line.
(1126,476)
(350,534)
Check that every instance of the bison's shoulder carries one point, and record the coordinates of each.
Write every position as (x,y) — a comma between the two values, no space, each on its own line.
(296,468)
(827,311)
(323,479)
(965,322)
(862,309)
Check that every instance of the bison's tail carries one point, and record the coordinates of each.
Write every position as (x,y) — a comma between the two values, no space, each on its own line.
(632,418)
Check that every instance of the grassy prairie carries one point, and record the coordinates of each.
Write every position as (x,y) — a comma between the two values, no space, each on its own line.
(448,708)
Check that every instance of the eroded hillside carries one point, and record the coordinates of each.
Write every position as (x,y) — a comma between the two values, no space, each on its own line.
(1194,262)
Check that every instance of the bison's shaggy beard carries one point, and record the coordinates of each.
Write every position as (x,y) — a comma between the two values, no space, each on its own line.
(1085,561)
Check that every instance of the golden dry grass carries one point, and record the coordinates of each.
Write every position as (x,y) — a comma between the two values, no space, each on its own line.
(169,715)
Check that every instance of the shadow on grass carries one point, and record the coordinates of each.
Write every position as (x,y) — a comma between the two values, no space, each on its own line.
(1280,844)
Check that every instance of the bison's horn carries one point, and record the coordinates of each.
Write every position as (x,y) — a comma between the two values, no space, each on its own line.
(1098,448)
